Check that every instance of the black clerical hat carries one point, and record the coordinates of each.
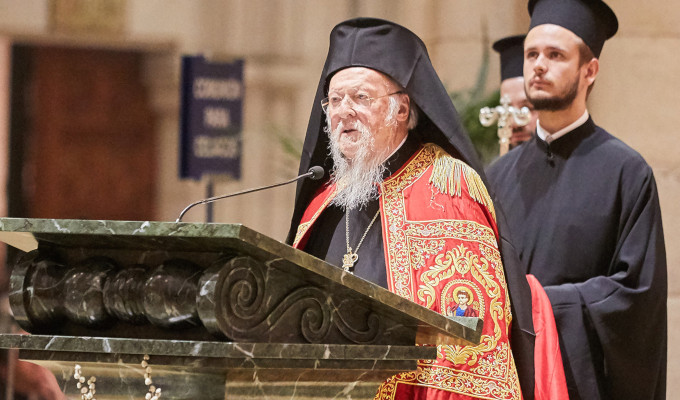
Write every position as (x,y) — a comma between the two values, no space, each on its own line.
(591,20)
(511,50)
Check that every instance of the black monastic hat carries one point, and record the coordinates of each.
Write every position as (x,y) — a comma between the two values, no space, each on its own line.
(591,20)
(511,50)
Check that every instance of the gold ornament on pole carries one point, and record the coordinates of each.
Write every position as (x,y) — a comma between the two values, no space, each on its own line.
(502,113)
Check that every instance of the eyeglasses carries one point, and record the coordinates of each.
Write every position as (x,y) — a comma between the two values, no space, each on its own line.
(357,100)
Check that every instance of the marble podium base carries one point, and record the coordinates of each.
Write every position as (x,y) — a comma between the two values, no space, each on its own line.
(218,370)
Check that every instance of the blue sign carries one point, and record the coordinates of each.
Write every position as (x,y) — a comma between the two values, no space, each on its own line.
(211,118)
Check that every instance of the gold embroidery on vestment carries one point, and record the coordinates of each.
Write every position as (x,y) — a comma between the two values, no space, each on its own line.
(489,371)
(447,174)
(486,370)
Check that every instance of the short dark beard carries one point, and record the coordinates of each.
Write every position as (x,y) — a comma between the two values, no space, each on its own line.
(557,103)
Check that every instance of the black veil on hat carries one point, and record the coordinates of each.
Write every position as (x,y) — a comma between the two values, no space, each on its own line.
(591,20)
(397,52)
(511,50)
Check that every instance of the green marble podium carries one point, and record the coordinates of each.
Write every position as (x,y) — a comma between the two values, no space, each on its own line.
(222,311)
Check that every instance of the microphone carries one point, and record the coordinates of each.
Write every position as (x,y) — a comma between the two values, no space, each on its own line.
(314,173)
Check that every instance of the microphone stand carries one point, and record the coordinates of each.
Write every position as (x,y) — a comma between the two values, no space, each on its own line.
(311,173)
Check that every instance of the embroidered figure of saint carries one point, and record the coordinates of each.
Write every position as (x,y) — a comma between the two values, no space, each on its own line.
(465,308)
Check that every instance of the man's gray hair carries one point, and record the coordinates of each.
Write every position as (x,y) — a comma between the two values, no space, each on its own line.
(413,108)
(412,115)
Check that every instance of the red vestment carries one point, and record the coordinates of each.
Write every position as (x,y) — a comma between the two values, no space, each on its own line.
(440,237)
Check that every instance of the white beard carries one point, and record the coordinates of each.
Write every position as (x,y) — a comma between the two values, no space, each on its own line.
(358,179)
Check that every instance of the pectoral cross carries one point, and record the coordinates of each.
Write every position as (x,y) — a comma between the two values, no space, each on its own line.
(348,260)
(502,113)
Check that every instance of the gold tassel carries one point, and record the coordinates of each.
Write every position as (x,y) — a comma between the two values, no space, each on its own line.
(446,176)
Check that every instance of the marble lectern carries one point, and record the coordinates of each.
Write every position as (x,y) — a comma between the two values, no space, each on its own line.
(222,311)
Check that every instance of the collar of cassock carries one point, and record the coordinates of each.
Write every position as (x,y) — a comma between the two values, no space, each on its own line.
(549,137)
(564,145)
(401,155)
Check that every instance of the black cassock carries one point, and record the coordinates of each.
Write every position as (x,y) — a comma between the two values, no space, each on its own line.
(583,213)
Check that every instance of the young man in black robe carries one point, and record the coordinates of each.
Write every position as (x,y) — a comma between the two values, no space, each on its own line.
(585,214)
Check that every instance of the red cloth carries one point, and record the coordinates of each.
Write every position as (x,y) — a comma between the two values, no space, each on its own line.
(551,383)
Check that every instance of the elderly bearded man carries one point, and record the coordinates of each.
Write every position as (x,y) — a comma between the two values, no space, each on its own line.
(401,211)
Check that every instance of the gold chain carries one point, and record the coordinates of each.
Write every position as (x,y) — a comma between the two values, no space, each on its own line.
(349,259)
